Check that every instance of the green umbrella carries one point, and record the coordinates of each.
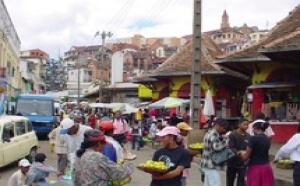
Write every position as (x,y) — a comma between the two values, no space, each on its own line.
(168,102)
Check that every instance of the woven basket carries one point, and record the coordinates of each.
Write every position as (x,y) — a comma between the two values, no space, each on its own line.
(284,166)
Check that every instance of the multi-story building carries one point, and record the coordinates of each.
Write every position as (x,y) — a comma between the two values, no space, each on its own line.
(55,77)
(256,36)
(29,78)
(9,52)
(91,67)
(39,58)
(78,81)
(71,56)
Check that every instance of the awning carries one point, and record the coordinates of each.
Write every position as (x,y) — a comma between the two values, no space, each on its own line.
(273,85)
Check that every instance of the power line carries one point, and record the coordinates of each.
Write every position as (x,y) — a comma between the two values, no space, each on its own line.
(152,15)
(120,14)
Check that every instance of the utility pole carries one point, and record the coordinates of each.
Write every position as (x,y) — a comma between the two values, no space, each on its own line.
(103,37)
(196,66)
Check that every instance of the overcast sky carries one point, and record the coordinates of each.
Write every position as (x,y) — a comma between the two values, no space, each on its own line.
(56,25)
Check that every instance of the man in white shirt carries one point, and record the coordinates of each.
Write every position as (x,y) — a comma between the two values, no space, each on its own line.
(260,117)
(61,145)
(108,129)
(75,136)
(292,149)
(18,178)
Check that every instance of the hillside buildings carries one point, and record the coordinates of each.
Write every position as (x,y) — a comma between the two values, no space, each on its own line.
(231,39)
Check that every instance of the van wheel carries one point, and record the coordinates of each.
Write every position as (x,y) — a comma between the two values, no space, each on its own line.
(32,153)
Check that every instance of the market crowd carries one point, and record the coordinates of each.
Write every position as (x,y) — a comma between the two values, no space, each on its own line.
(92,149)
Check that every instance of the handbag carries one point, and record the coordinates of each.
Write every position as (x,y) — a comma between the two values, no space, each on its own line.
(220,157)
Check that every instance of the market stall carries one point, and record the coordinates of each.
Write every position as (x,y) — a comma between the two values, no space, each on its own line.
(280,102)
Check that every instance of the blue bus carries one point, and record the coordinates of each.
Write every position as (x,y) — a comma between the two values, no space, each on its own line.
(39,109)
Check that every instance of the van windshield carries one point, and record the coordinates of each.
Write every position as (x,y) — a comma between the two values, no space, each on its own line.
(35,107)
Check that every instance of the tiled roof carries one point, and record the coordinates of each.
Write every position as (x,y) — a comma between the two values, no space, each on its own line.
(92,48)
(182,60)
(121,46)
(292,39)
(287,26)
(158,60)
(141,54)
(77,49)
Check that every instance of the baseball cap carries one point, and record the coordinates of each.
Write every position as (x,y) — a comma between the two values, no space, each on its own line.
(169,130)
(106,125)
(67,123)
(94,135)
(183,126)
(24,163)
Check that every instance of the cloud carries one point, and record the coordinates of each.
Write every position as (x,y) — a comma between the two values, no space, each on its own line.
(57,25)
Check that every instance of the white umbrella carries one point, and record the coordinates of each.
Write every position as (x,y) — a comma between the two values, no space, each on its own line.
(209,109)
(128,109)
(98,105)
(168,102)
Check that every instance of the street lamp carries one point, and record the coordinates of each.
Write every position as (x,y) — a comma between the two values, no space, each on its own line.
(103,37)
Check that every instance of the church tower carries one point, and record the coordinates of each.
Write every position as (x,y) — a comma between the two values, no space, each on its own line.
(225,20)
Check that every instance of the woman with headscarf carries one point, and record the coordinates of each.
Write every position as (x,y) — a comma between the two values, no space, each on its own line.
(92,168)
(259,172)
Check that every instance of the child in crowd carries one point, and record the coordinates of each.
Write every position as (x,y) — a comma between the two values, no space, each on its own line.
(153,129)
(136,132)
(39,170)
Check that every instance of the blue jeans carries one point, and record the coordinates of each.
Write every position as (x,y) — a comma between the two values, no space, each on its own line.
(211,177)
(136,140)
(296,174)
(183,181)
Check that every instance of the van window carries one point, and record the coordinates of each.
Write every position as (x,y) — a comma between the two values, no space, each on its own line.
(29,126)
(20,128)
(8,131)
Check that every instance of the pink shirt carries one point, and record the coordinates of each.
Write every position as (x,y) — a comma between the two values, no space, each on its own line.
(121,126)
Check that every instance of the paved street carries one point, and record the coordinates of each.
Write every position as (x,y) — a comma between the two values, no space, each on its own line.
(138,178)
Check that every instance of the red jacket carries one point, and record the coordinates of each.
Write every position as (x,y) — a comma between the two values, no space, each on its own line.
(92,121)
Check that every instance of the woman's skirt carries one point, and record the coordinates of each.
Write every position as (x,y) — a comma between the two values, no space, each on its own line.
(260,175)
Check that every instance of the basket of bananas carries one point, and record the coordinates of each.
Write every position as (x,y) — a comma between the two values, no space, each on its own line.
(196,148)
(285,163)
(120,182)
(153,167)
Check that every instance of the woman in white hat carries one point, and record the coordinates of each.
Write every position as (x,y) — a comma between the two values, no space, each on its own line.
(175,157)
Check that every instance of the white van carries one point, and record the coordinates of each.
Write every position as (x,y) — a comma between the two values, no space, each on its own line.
(17,139)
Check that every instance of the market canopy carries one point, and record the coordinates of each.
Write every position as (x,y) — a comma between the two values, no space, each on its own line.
(168,102)
(99,105)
